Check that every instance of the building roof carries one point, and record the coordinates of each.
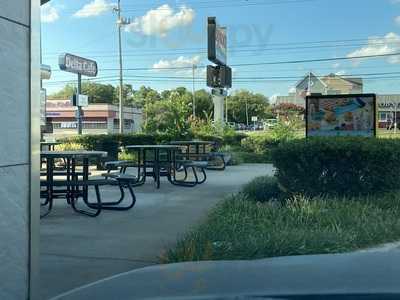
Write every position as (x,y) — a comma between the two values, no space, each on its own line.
(310,74)
(352,80)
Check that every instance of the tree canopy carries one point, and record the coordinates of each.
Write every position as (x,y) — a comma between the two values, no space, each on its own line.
(170,109)
(257,106)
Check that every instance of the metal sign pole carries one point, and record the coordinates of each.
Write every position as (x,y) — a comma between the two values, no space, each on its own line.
(79,115)
(395,118)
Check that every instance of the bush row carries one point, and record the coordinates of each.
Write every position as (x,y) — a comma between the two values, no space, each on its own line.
(338,165)
(112,142)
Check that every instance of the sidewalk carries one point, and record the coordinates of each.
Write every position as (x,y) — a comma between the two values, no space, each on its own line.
(77,250)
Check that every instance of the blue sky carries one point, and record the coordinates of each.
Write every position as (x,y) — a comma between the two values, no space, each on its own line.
(173,33)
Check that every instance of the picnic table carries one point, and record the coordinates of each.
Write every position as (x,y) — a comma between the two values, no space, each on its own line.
(48,146)
(201,153)
(200,148)
(71,186)
(160,158)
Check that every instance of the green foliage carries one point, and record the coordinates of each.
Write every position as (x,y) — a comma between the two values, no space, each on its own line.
(97,92)
(263,189)
(168,116)
(204,104)
(242,157)
(259,143)
(146,95)
(338,165)
(238,229)
(285,130)
(257,105)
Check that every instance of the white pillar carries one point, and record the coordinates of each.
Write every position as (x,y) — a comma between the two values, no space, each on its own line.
(218,97)
(19,149)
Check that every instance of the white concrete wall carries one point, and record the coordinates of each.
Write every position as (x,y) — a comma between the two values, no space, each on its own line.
(15,147)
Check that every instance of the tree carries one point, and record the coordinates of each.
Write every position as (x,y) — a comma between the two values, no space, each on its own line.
(168,116)
(65,93)
(127,95)
(257,106)
(144,96)
(204,104)
(97,92)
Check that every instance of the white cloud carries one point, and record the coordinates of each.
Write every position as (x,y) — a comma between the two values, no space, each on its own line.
(388,44)
(49,14)
(336,65)
(273,98)
(180,62)
(397,20)
(161,20)
(341,73)
(94,8)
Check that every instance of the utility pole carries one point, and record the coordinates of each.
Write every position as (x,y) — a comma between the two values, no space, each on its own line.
(193,91)
(247,114)
(226,109)
(120,22)
(79,111)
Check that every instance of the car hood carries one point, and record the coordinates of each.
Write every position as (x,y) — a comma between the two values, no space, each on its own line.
(355,273)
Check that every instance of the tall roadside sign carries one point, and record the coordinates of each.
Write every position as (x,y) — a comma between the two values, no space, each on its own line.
(81,66)
(219,76)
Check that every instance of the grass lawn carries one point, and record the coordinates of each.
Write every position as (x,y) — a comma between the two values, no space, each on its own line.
(243,229)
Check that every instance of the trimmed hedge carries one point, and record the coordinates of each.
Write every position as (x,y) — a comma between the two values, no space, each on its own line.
(338,165)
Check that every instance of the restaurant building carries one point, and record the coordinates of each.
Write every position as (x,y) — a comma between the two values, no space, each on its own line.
(388,107)
(97,119)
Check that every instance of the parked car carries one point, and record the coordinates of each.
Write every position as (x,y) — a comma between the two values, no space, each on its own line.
(270,123)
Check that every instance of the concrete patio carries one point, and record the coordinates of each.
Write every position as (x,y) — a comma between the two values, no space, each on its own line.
(77,250)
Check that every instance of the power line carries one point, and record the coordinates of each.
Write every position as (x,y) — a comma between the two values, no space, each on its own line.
(236,79)
(205,5)
(261,63)
(256,47)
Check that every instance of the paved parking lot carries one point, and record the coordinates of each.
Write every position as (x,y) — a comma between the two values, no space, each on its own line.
(76,250)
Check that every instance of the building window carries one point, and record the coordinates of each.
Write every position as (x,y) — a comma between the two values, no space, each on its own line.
(95,125)
(128,124)
(384,116)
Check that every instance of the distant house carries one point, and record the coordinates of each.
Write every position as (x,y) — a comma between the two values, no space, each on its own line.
(331,84)
(337,85)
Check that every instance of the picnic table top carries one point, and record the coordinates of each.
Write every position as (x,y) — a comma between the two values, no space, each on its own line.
(50,143)
(152,147)
(194,142)
(72,154)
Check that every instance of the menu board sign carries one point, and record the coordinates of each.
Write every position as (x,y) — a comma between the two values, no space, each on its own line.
(217,42)
(341,115)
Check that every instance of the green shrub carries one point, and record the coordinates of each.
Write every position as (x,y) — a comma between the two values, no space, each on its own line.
(263,189)
(259,142)
(338,165)
(241,157)
(68,147)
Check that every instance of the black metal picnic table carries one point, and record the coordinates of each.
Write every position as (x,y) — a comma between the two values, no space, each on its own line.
(199,146)
(70,173)
(200,152)
(49,145)
(161,162)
